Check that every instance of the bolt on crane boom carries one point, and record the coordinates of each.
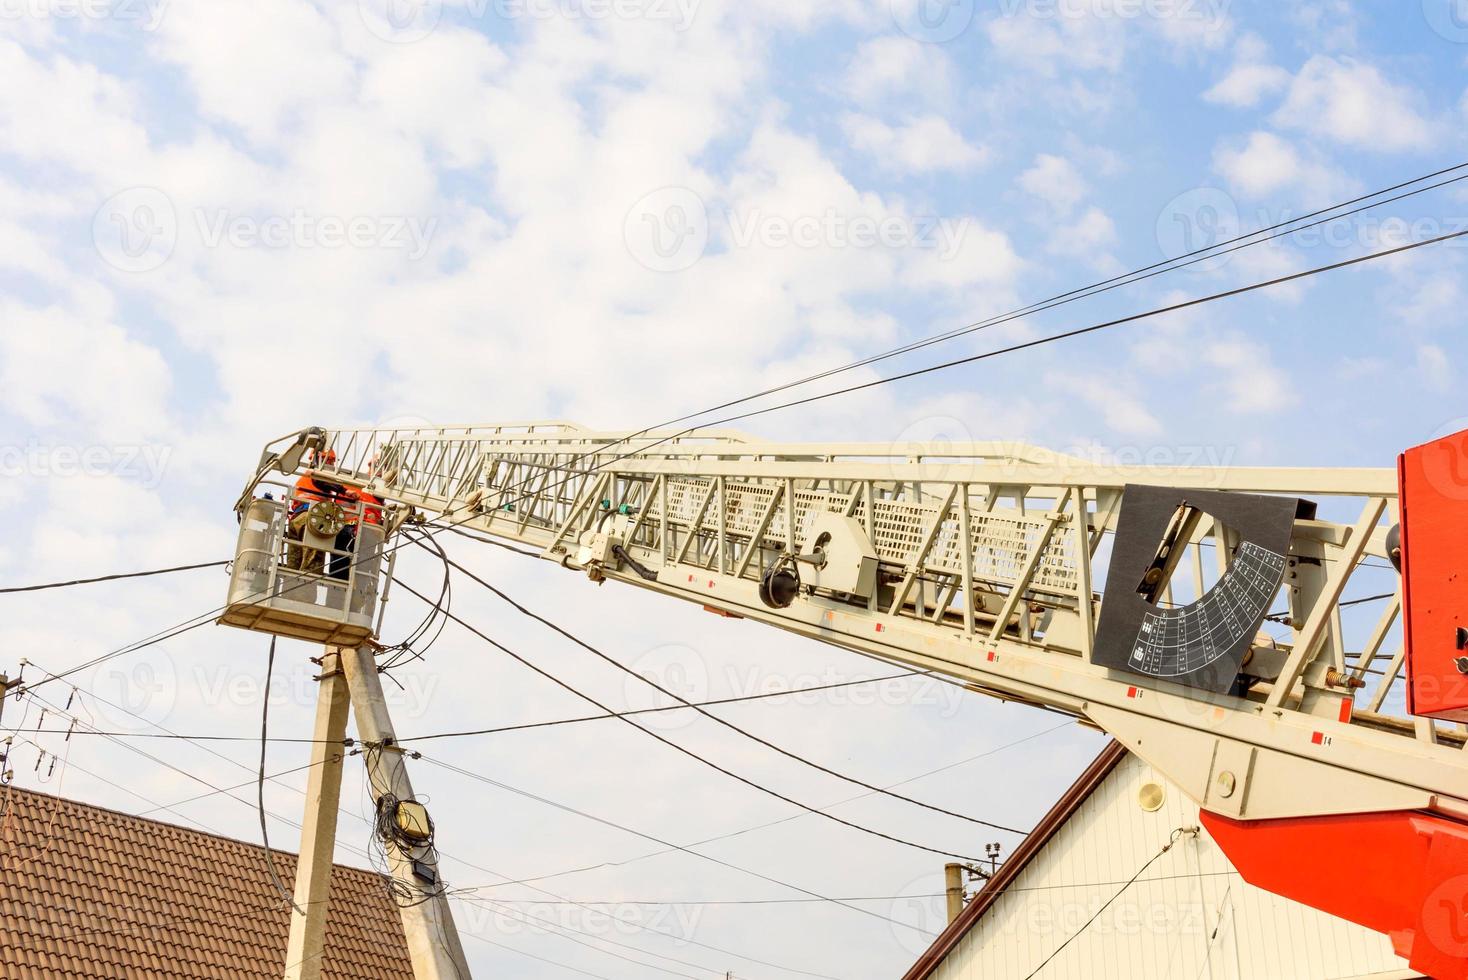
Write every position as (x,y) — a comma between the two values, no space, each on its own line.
(984,562)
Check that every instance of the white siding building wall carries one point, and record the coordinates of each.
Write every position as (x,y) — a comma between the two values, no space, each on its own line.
(1189,916)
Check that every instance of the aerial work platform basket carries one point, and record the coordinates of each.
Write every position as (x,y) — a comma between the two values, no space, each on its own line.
(307,568)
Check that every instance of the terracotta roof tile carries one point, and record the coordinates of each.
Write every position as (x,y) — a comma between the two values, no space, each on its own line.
(89,892)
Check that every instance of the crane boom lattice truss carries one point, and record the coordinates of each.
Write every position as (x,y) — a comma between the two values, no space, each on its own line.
(984,562)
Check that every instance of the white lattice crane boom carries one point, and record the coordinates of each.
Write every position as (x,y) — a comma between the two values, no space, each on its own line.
(984,562)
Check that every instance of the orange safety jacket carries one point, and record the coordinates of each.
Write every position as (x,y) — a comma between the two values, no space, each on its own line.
(308,491)
(371,506)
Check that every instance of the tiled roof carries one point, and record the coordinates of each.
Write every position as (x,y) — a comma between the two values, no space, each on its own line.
(89,892)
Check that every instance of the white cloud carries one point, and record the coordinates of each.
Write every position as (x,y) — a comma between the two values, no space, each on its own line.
(1246,84)
(1352,102)
(1056,181)
(1254,383)
(260,67)
(1265,162)
(59,368)
(895,66)
(1436,369)
(1120,406)
(921,145)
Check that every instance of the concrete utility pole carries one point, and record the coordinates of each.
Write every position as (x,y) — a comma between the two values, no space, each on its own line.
(433,940)
(318,829)
(953,880)
(349,679)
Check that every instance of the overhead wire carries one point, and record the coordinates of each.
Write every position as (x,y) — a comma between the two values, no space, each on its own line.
(1177,835)
(685,750)
(606,658)
(113,578)
(260,784)
(1146,272)
(480,777)
(653,930)
(783,820)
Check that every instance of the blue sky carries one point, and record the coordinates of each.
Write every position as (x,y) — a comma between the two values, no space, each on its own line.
(222,221)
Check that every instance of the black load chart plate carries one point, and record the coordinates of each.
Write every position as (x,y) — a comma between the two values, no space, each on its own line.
(1202,643)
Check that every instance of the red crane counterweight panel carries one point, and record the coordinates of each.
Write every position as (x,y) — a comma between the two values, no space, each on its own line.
(1434,503)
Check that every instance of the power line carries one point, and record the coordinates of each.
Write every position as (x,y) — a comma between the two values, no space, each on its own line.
(1130,278)
(113,578)
(682,749)
(658,840)
(559,931)
(442,854)
(1013,348)
(1176,835)
(1105,325)
(260,784)
(783,820)
(710,715)
(350,742)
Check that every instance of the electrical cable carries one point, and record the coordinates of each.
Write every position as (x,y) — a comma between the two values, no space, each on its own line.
(559,931)
(113,578)
(1197,255)
(775,823)
(686,751)
(366,854)
(554,627)
(480,777)
(260,784)
(670,707)
(1176,835)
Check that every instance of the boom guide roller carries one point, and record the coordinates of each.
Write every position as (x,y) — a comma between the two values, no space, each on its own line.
(1271,704)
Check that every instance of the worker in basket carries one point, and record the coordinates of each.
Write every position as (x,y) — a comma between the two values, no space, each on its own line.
(332,504)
